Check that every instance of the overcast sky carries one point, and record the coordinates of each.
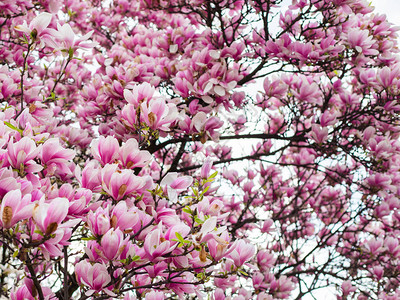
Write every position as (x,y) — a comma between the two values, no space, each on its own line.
(389,7)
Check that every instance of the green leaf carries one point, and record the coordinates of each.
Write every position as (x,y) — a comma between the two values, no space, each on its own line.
(90,238)
(70,53)
(187,210)
(136,258)
(15,254)
(205,190)
(179,236)
(199,221)
(195,192)
(213,175)
(39,232)
(8,124)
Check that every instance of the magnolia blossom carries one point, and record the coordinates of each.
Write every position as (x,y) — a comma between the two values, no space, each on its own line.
(242,253)
(174,184)
(105,150)
(113,243)
(21,155)
(119,184)
(48,216)
(14,208)
(131,156)
(56,157)
(94,276)
(155,246)
(37,28)
(156,165)
(64,39)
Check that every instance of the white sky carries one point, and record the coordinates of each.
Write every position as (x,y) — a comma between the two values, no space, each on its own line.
(389,7)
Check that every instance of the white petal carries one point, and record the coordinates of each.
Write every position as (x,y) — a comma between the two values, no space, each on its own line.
(41,22)
(219,90)
(173,48)
(214,54)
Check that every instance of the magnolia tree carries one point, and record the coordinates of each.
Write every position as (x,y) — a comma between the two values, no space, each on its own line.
(218,149)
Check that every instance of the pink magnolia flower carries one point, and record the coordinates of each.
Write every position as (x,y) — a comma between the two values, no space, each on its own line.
(55,157)
(59,238)
(180,228)
(21,155)
(218,246)
(140,93)
(362,41)
(158,115)
(242,253)
(173,185)
(8,87)
(99,221)
(156,269)
(22,293)
(119,184)
(219,294)
(259,281)
(347,288)
(91,176)
(181,284)
(155,245)
(37,26)
(377,271)
(207,230)
(281,287)
(203,124)
(27,292)
(374,246)
(265,259)
(15,208)
(8,182)
(131,157)
(78,204)
(124,218)
(113,243)
(369,133)
(48,216)
(167,215)
(94,276)
(129,115)
(392,245)
(154,295)
(206,168)
(267,226)
(64,39)
(329,118)
(319,134)
(238,98)
(105,150)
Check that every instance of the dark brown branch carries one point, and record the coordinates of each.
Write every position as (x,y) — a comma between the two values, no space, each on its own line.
(265,136)
(36,282)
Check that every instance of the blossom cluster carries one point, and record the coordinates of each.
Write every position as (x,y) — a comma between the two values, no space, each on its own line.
(121,169)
